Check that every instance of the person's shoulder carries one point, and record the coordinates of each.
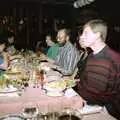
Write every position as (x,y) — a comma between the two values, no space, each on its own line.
(114,55)
(55,45)
(70,45)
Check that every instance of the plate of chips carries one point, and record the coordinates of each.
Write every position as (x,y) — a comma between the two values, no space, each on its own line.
(55,86)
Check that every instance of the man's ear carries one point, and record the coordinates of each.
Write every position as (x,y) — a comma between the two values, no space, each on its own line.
(98,34)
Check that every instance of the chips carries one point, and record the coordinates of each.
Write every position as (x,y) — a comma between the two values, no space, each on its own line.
(70,82)
(55,86)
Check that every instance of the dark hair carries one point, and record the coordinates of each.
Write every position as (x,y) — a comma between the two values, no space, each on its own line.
(2,41)
(10,34)
(52,37)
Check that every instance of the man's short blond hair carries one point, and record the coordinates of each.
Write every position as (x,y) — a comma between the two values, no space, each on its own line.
(98,25)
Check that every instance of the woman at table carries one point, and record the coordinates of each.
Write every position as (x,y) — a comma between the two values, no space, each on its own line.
(10,46)
(3,58)
(51,49)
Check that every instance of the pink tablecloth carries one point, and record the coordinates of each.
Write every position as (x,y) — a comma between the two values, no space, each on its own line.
(37,97)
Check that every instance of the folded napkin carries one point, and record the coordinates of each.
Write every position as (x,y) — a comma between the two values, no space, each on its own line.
(70,93)
(90,109)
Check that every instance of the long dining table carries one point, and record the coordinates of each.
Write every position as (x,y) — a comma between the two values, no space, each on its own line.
(35,97)
(14,103)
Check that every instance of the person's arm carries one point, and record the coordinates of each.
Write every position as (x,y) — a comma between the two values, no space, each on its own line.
(44,57)
(70,62)
(97,83)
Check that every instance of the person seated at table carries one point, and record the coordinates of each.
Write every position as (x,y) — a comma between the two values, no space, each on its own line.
(53,47)
(10,47)
(100,80)
(66,60)
(50,49)
(43,46)
(3,58)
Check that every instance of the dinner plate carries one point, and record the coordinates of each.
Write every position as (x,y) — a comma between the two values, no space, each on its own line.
(12,117)
(9,89)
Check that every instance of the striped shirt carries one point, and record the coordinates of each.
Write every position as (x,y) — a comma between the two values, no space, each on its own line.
(100,80)
(67,59)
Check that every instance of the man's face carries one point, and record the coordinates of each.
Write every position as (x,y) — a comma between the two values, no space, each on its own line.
(2,46)
(87,38)
(11,40)
(61,37)
(49,41)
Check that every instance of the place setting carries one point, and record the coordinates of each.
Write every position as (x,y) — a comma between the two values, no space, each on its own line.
(61,87)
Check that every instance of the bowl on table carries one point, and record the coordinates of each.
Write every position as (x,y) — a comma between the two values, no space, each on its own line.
(55,88)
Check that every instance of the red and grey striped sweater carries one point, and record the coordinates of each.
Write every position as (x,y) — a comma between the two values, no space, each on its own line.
(100,80)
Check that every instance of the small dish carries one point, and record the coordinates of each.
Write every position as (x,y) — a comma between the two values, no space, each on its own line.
(12,117)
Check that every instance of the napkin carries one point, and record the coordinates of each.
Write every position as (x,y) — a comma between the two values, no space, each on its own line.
(70,93)
(90,109)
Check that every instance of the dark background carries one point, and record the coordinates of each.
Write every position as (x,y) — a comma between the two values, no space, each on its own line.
(43,16)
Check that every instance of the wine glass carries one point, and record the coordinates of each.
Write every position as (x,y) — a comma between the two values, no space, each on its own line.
(48,113)
(30,110)
(41,78)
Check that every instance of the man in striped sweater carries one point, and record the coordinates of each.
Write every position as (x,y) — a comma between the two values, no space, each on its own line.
(66,60)
(100,79)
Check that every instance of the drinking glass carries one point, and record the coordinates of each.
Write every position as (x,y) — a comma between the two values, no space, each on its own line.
(41,78)
(30,110)
(48,114)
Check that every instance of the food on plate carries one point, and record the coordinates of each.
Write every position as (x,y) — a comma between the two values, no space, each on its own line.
(58,85)
(12,73)
(15,75)
(70,82)
(6,82)
(55,85)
